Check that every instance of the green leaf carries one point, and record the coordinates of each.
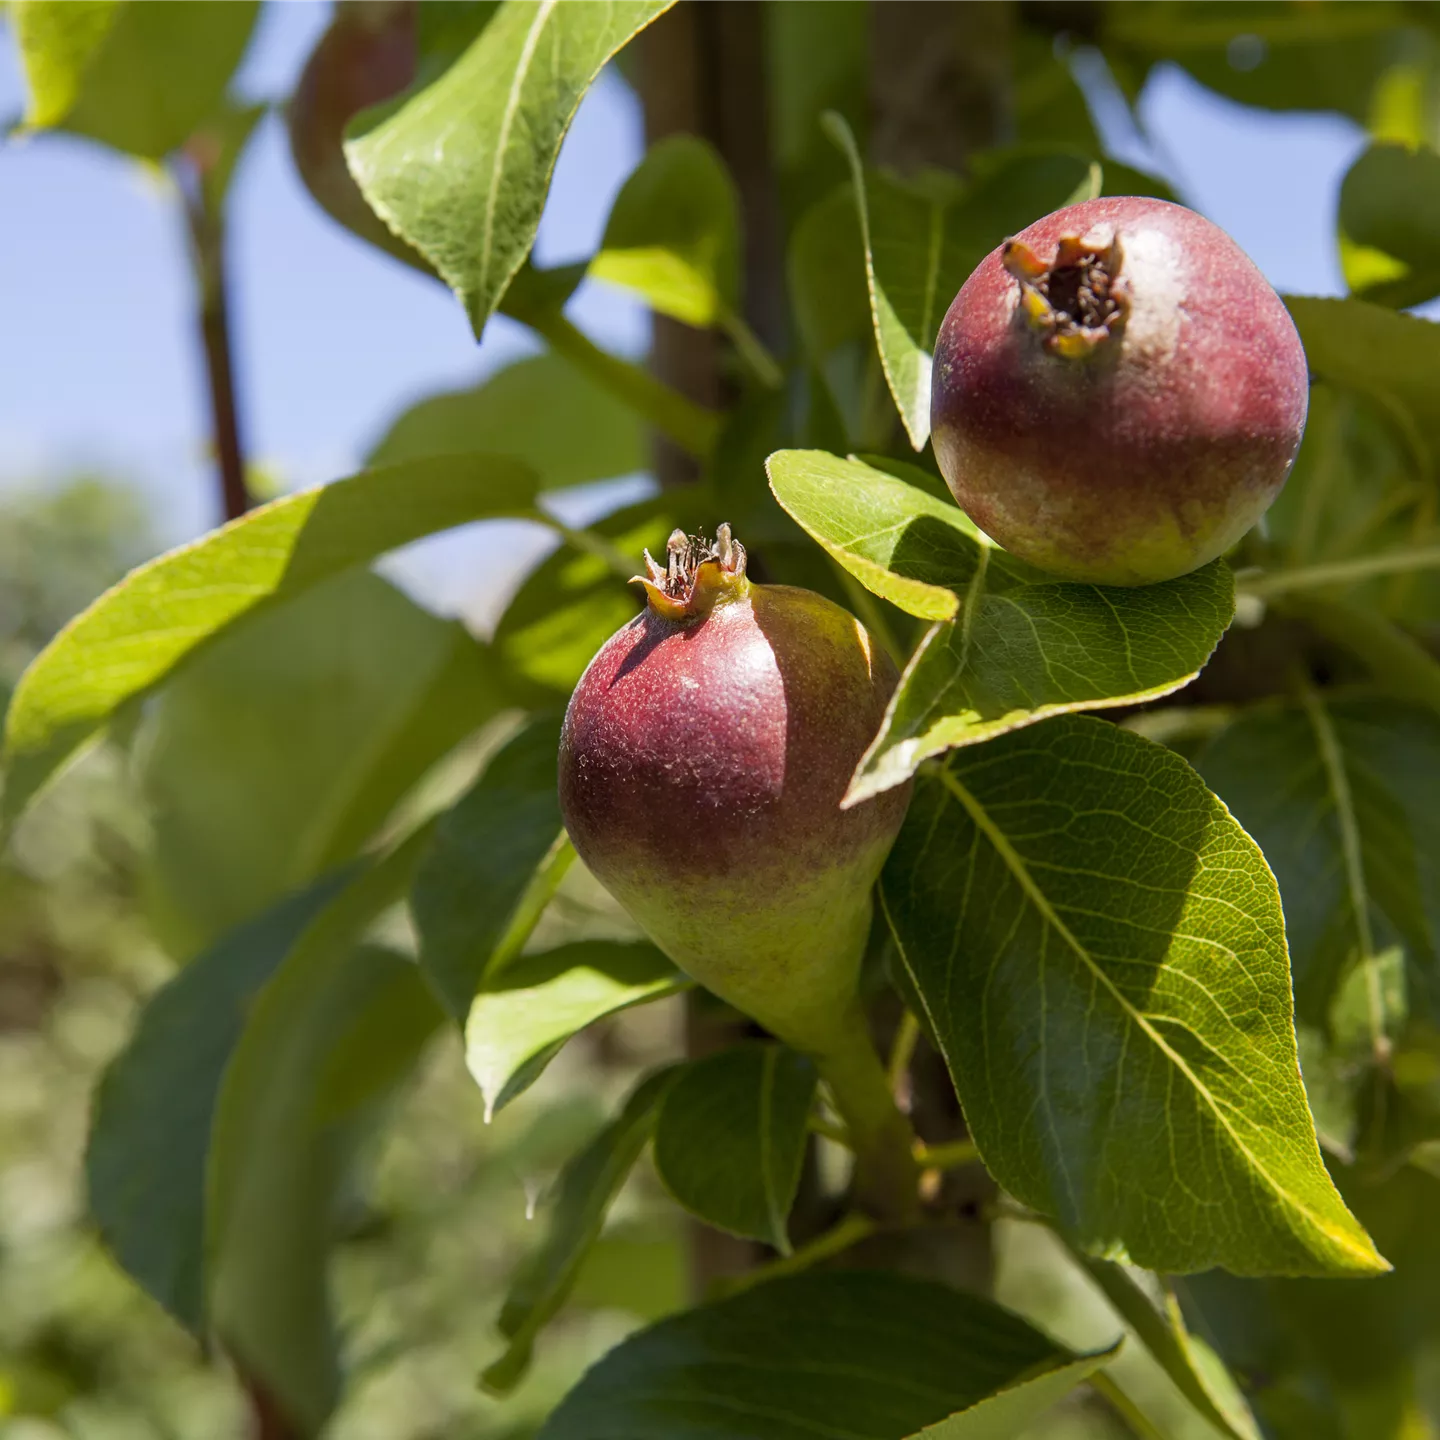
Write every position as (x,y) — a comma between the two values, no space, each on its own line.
(1390,225)
(137,634)
(513,413)
(923,238)
(853,1354)
(1008,1412)
(281,749)
(367,55)
(731,1139)
(279,1152)
(150,1135)
(522,1017)
(1393,359)
(460,169)
(1027,646)
(498,844)
(139,76)
(1101,953)
(1199,1374)
(673,235)
(909,547)
(583,1193)
(1345,800)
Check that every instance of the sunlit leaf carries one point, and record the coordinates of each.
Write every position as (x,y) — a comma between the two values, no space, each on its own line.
(282,748)
(673,235)
(862,1355)
(731,1139)
(520,1018)
(140,631)
(138,75)
(460,169)
(1101,952)
(513,412)
(1023,645)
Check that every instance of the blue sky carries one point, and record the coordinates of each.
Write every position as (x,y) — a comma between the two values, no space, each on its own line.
(98,364)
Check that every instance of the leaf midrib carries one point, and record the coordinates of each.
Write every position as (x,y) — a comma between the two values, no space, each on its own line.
(502,138)
(1017,867)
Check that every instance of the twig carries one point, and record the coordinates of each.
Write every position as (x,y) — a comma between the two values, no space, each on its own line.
(949,1155)
(207,243)
(902,1052)
(1137,1422)
(1338,572)
(850,1231)
(691,426)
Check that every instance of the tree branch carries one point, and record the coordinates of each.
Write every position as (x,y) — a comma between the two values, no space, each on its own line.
(207,246)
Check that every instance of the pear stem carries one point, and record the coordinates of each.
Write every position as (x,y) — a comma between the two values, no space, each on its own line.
(886,1173)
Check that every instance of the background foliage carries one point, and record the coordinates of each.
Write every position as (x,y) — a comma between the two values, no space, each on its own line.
(298,919)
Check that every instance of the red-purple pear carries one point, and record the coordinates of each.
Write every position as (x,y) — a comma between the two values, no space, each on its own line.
(704,756)
(1117,393)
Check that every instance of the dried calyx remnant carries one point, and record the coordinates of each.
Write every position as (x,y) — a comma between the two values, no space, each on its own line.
(1076,301)
(696,573)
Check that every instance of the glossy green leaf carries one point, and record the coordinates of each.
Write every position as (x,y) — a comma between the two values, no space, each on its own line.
(1345,801)
(1026,646)
(1101,953)
(673,235)
(367,55)
(139,76)
(731,1139)
(514,412)
(906,545)
(862,1355)
(1392,358)
(280,1151)
(1390,225)
(326,712)
(583,1194)
(490,848)
(137,634)
(521,1017)
(460,169)
(923,238)
(150,1135)
(1199,1374)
